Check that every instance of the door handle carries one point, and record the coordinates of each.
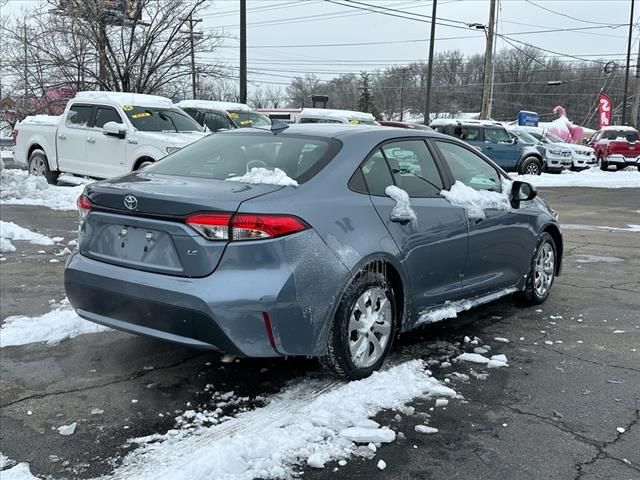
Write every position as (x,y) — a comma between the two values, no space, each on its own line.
(62,136)
(91,140)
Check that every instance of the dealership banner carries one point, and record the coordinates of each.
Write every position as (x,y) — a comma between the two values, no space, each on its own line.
(604,110)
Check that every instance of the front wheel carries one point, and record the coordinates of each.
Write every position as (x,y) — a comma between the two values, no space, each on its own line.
(39,167)
(531,166)
(363,328)
(542,272)
(604,165)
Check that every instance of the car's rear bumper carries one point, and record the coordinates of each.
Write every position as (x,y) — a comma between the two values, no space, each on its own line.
(226,310)
(616,159)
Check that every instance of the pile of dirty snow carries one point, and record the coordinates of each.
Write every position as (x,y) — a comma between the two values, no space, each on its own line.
(17,187)
(593,177)
(53,327)
(10,231)
(475,201)
(301,424)
(264,176)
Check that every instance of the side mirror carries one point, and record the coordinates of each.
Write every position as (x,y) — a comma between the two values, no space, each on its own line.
(113,129)
(522,192)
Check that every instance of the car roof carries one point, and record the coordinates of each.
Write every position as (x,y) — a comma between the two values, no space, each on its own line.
(438,122)
(214,105)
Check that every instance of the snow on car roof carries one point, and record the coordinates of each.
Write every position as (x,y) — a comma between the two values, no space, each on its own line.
(337,114)
(214,105)
(619,128)
(463,121)
(125,98)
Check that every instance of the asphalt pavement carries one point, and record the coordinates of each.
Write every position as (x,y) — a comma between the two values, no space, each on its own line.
(567,407)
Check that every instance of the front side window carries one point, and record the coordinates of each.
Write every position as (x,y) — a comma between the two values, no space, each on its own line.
(161,119)
(470,134)
(376,173)
(78,116)
(413,167)
(234,154)
(105,115)
(469,168)
(317,120)
(496,135)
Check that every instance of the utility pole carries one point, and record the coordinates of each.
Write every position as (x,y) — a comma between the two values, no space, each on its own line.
(636,96)
(26,71)
(487,84)
(194,75)
(243,51)
(626,75)
(427,100)
(404,71)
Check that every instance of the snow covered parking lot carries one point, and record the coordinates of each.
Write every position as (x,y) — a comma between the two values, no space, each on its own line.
(137,408)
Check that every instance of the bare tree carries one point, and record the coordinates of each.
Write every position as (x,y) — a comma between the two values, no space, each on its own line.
(266,97)
(301,89)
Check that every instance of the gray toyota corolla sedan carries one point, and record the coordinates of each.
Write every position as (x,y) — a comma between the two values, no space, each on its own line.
(290,242)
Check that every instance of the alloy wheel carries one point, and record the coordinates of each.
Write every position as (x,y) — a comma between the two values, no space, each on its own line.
(532,169)
(544,270)
(37,167)
(369,327)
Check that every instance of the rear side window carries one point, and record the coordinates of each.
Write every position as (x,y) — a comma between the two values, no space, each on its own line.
(376,173)
(106,114)
(234,154)
(216,121)
(78,116)
(413,167)
(317,120)
(469,168)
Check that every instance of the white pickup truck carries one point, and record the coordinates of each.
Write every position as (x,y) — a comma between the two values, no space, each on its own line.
(103,134)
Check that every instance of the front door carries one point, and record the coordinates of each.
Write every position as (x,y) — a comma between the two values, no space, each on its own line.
(105,153)
(433,245)
(501,244)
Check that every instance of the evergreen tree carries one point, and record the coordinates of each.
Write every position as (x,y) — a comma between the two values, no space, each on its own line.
(365,103)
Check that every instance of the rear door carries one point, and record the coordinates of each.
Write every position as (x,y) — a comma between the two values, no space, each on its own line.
(71,141)
(106,154)
(433,248)
(500,245)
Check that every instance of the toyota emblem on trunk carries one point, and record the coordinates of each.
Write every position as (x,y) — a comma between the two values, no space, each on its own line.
(130,202)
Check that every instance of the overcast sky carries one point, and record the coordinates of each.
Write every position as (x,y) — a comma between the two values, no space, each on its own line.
(290,37)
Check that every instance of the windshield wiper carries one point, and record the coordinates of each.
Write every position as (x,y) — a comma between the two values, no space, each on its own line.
(404,170)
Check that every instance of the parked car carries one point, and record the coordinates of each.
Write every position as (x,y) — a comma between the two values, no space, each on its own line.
(555,157)
(618,146)
(394,123)
(582,156)
(325,115)
(103,134)
(492,139)
(223,115)
(314,258)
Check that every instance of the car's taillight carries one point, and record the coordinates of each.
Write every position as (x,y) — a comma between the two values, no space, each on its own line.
(84,207)
(243,226)
(14,134)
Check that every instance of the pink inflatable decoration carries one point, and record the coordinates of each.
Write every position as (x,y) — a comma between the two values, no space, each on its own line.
(561,127)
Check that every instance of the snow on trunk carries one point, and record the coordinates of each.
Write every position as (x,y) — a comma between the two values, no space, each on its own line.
(264,176)
(53,327)
(300,425)
(476,201)
(403,204)
(10,231)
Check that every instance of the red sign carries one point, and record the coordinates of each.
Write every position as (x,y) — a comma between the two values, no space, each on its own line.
(604,110)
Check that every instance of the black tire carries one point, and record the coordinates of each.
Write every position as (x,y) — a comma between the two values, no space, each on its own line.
(143,164)
(604,165)
(530,166)
(39,167)
(530,295)
(337,359)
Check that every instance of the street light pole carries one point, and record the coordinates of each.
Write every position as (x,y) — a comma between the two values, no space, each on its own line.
(487,84)
(243,51)
(626,75)
(427,100)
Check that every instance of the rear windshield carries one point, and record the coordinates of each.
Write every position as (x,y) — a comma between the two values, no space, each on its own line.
(226,155)
(620,134)
(245,119)
(161,119)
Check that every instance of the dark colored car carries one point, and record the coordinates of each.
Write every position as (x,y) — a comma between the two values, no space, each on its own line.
(307,253)
(224,115)
(494,141)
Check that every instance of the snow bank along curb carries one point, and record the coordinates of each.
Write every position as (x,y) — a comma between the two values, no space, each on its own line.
(10,231)
(311,422)
(17,187)
(594,177)
(53,327)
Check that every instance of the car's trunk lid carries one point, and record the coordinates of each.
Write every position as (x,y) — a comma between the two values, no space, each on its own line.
(138,221)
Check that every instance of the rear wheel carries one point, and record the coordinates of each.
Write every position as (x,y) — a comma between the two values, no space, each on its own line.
(530,166)
(604,165)
(542,272)
(363,328)
(39,167)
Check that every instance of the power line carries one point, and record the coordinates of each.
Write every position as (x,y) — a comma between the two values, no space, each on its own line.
(563,14)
